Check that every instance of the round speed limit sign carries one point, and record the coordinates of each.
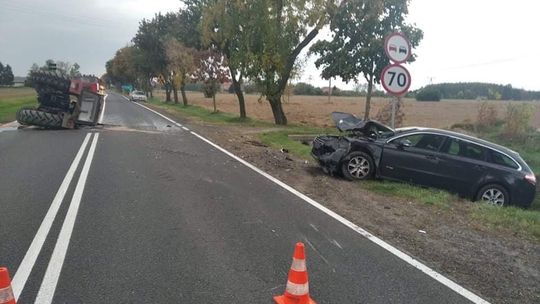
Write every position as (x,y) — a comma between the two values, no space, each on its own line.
(396,80)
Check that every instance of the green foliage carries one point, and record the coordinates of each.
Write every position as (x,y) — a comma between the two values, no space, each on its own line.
(275,33)
(476,90)
(517,121)
(428,94)
(303,88)
(6,75)
(357,46)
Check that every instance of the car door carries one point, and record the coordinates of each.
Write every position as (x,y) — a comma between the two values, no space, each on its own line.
(463,164)
(413,158)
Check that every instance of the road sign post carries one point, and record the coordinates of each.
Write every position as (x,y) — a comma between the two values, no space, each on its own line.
(395,78)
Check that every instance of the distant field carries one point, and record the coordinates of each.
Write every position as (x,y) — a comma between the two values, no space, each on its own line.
(12,99)
(315,110)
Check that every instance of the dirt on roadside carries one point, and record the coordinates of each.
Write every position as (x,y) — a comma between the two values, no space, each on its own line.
(499,267)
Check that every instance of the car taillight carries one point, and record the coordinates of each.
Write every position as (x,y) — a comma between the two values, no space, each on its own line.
(531,178)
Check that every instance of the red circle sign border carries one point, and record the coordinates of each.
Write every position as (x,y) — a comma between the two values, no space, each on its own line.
(408,75)
(388,53)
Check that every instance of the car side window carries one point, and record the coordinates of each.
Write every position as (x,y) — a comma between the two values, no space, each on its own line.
(453,147)
(429,142)
(472,151)
(503,160)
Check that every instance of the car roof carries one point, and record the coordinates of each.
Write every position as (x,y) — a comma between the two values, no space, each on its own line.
(407,130)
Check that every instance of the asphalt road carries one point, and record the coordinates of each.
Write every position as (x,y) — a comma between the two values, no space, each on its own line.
(153,214)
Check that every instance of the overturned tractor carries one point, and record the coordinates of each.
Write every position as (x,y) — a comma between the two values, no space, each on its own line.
(63,102)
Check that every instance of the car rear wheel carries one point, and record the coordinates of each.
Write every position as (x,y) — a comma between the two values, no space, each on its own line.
(494,195)
(358,166)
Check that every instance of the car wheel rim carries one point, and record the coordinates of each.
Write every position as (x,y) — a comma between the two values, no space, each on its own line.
(493,197)
(358,167)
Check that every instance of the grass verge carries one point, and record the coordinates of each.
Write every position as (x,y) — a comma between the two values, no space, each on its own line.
(524,223)
(10,106)
(428,196)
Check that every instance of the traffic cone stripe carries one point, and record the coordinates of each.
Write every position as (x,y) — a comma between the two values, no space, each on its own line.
(298,265)
(6,295)
(297,290)
(298,277)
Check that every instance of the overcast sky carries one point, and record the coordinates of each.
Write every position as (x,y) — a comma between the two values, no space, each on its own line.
(465,40)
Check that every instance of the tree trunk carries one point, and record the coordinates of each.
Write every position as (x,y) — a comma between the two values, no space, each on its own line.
(184,97)
(277,109)
(167,93)
(214,101)
(368,97)
(175,93)
(239,94)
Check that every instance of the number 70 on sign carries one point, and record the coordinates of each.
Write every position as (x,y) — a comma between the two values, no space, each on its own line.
(396,80)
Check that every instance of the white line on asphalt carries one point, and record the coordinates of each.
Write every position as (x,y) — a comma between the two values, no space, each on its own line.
(25,268)
(50,280)
(103,109)
(186,129)
(161,115)
(403,256)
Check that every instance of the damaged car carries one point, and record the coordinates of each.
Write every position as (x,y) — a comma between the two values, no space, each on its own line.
(459,163)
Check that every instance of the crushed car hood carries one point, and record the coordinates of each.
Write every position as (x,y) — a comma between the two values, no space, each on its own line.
(346,122)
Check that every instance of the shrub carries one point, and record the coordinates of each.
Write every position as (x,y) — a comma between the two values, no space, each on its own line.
(487,115)
(428,95)
(518,118)
(385,114)
(303,88)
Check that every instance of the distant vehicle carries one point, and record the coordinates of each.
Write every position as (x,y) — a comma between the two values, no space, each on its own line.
(471,167)
(138,96)
(392,48)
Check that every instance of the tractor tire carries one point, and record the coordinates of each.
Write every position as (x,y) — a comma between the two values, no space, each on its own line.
(51,80)
(33,117)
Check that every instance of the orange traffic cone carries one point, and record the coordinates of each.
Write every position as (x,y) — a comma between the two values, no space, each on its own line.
(297,290)
(6,293)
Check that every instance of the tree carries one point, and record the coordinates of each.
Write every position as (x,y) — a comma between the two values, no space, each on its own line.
(6,75)
(150,43)
(223,27)
(357,47)
(181,63)
(74,71)
(275,33)
(212,70)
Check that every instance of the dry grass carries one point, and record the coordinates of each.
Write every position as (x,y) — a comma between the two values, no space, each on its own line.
(11,93)
(315,110)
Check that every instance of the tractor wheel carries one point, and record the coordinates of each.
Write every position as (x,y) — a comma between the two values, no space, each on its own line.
(51,80)
(31,116)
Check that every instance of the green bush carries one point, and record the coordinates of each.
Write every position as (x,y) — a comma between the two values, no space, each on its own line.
(518,118)
(428,95)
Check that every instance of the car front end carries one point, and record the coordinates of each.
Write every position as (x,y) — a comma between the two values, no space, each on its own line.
(329,150)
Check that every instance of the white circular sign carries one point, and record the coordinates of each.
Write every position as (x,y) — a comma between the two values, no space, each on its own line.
(397,48)
(396,80)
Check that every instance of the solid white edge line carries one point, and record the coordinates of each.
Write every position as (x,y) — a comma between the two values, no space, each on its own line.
(27,264)
(50,280)
(103,110)
(403,256)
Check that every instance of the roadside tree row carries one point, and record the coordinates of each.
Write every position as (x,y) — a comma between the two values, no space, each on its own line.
(260,41)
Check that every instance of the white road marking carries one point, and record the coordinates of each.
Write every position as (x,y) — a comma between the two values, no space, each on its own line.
(103,110)
(27,264)
(50,280)
(393,250)
(186,129)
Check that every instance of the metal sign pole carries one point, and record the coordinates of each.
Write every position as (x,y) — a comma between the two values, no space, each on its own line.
(394,112)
